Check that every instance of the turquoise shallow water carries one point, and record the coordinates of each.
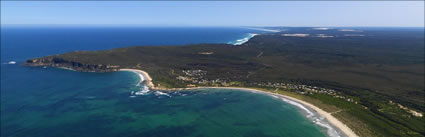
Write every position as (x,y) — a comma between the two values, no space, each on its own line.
(101,106)
(44,102)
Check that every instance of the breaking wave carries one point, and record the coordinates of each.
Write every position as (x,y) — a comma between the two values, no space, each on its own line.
(243,40)
(316,118)
(313,116)
(159,93)
(144,89)
(10,62)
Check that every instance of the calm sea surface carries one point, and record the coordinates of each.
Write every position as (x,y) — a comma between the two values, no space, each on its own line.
(48,102)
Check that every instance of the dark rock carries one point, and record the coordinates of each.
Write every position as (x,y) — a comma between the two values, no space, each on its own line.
(77,66)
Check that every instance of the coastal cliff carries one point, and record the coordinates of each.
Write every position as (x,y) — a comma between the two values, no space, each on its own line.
(77,66)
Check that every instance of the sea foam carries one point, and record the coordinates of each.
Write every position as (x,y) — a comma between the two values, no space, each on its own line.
(11,62)
(243,40)
(144,89)
(313,116)
(159,93)
(316,118)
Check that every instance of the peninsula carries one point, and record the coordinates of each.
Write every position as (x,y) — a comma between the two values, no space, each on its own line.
(353,77)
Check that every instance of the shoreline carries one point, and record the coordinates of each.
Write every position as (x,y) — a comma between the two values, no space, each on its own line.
(263,29)
(334,122)
(146,77)
(245,39)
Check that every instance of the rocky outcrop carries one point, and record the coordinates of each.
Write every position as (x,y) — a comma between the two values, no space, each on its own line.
(77,66)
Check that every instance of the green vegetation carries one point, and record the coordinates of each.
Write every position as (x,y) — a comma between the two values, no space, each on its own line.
(361,119)
(378,122)
(376,68)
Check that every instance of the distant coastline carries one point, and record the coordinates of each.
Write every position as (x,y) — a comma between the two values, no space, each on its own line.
(251,35)
(263,29)
(341,127)
(244,40)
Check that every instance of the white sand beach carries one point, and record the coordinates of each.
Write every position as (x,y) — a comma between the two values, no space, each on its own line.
(145,75)
(331,119)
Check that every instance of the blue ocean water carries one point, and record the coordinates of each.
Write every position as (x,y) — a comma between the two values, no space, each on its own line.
(56,102)
(20,43)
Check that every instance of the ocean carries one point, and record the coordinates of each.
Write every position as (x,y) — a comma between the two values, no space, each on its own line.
(56,102)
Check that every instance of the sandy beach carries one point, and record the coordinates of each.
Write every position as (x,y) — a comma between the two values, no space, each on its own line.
(331,119)
(145,75)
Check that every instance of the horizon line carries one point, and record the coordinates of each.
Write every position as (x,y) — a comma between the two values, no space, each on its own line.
(174,25)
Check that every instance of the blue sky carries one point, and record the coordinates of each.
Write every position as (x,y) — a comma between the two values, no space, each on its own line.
(217,13)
